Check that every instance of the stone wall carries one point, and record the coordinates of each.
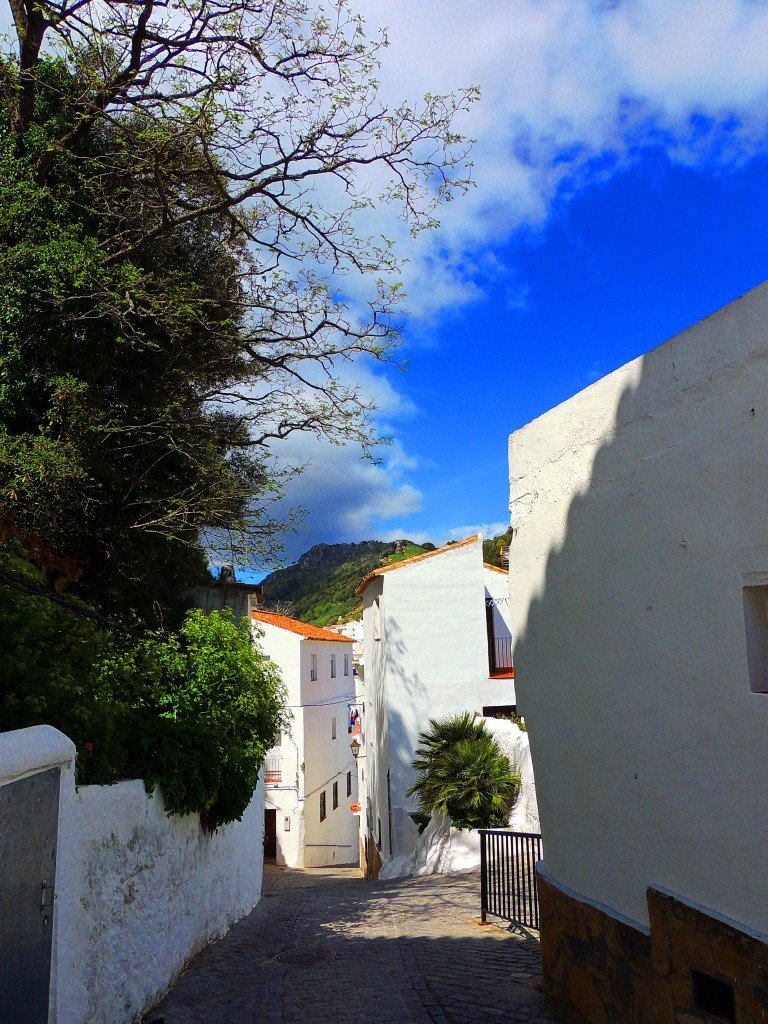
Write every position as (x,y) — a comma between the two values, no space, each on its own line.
(692,966)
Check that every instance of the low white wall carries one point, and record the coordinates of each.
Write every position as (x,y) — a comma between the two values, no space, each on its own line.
(138,894)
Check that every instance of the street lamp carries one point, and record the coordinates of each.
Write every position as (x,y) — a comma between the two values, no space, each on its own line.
(354,746)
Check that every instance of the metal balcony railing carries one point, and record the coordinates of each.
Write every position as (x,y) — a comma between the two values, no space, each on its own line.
(273,771)
(501,656)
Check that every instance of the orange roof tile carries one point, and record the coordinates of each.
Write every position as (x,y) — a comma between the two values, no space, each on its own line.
(301,628)
(495,568)
(409,561)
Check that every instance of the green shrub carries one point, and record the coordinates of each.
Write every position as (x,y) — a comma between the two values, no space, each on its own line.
(462,772)
(219,707)
(193,711)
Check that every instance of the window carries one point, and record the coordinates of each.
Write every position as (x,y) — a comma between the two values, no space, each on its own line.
(333,728)
(712,996)
(349,783)
(335,795)
(322,806)
(756,624)
(313,667)
(346,663)
(333,666)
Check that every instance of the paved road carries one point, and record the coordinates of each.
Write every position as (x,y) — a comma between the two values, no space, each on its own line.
(327,947)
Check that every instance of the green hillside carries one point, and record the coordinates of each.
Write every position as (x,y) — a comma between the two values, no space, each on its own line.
(320,587)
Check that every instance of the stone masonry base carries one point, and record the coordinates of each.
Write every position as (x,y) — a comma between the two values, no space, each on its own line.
(693,967)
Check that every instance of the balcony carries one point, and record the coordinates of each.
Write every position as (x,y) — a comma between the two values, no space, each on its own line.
(273,772)
(500,657)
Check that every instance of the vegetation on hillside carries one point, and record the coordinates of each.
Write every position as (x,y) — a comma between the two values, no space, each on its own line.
(492,548)
(320,587)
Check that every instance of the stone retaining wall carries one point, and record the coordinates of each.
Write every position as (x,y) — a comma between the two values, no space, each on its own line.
(692,966)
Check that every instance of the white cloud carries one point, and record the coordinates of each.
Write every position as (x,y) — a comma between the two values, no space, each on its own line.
(346,497)
(563,82)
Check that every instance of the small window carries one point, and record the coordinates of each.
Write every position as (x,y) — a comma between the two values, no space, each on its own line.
(756,625)
(333,666)
(333,728)
(346,663)
(713,996)
(349,783)
(322,806)
(313,667)
(335,795)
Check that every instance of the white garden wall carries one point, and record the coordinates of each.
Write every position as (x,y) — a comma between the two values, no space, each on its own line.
(139,894)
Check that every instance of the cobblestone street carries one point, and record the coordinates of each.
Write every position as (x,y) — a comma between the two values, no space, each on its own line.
(327,947)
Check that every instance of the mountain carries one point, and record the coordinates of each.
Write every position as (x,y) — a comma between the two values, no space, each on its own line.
(320,587)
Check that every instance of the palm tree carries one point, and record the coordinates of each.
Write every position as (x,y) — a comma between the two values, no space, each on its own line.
(462,772)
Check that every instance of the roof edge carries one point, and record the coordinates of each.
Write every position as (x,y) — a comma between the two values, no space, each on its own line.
(410,561)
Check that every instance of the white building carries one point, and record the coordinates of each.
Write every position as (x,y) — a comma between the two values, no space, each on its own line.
(310,778)
(640,560)
(437,642)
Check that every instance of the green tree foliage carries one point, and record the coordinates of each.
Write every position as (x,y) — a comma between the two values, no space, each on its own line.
(493,546)
(216,707)
(193,711)
(462,772)
(177,185)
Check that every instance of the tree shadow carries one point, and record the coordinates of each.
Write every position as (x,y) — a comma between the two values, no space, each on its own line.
(346,950)
(637,507)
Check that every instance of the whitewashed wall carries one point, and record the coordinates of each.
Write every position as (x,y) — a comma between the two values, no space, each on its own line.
(139,894)
(431,662)
(640,511)
(319,759)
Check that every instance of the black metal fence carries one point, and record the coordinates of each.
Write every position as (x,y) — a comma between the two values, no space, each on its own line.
(508,875)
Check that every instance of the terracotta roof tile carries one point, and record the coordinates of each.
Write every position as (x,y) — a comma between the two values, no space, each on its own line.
(495,568)
(301,628)
(409,561)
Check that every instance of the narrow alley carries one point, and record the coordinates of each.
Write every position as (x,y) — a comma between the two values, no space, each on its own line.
(326,947)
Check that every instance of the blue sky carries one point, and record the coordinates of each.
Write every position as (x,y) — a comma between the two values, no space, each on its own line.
(621,165)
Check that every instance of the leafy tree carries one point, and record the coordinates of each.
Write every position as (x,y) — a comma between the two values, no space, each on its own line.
(461,772)
(215,708)
(176,185)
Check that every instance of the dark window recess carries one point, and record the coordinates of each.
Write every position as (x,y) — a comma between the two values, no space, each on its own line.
(322,807)
(335,795)
(712,996)
(500,711)
(349,783)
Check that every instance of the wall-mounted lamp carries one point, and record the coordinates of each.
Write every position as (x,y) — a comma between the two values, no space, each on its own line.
(354,746)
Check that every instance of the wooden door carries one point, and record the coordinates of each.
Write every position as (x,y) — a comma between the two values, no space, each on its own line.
(270,833)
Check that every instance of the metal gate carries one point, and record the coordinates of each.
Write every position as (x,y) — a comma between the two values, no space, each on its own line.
(29,811)
(508,875)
